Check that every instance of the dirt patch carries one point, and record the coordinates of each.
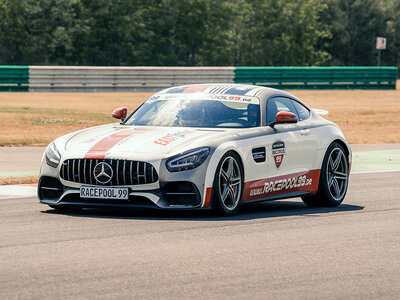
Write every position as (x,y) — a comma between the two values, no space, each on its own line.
(37,118)
(19,180)
(365,117)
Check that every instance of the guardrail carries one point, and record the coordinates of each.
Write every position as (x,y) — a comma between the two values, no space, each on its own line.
(14,78)
(319,77)
(123,78)
(130,79)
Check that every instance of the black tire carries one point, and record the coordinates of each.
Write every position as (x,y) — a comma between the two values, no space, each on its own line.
(333,180)
(228,188)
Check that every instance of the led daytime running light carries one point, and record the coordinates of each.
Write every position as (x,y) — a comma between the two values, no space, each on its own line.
(52,155)
(189,160)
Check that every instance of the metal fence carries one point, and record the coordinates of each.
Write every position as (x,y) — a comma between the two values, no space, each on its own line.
(93,79)
(319,77)
(14,78)
(131,79)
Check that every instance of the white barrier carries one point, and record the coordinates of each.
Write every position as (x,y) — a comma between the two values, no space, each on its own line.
(122,79)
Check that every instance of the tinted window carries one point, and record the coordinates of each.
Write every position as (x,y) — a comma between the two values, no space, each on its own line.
(276,105)
(302,112)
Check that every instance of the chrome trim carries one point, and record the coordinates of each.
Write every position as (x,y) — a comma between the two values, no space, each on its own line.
(137,172)
(73,170)
(79,170)
(145,172)
(90,173)
(69,179)
(50,188)
(84,171)
(117,172)
(131,174)
(124,171)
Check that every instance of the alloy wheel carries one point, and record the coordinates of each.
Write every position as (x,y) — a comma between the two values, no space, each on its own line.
(230,187)
(337,174)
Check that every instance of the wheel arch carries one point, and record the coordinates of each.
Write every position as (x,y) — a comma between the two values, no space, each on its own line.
(346,148)
(238,155)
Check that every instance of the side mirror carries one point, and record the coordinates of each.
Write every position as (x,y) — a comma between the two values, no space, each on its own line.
(283,117)
(120,113)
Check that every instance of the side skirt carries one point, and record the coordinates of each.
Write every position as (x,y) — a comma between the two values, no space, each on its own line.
(281,196)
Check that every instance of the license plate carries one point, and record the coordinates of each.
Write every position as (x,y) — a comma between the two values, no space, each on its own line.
(99,192)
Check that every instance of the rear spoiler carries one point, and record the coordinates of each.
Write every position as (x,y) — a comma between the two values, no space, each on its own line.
(320,111)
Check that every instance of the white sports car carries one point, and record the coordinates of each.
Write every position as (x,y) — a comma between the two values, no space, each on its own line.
(200,147)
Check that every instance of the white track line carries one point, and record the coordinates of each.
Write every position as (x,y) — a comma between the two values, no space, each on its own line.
(371,172)
(17,190)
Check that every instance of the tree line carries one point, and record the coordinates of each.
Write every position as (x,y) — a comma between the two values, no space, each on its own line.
(198,32)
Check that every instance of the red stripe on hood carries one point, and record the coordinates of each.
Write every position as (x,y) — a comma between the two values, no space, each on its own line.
(98,151)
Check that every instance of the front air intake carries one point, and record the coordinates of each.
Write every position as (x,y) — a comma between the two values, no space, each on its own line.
(50,188)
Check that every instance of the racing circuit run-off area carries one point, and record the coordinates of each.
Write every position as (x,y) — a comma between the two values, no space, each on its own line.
(277,249)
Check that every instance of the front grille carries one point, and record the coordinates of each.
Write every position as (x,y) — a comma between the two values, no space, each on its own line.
(125,172)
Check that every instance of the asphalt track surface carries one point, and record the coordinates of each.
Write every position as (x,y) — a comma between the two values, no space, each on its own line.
(273,250)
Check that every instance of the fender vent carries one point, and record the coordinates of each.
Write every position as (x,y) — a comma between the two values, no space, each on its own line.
(259,154)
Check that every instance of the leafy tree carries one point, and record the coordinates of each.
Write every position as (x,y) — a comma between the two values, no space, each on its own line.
(354,25)
(282,32)
(391,56)
(14,39)
(198,32)
(186,32)
(113,32)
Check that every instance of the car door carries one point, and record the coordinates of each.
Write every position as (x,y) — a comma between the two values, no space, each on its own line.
(293,147)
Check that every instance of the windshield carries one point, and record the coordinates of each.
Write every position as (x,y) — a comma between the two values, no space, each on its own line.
(196,113)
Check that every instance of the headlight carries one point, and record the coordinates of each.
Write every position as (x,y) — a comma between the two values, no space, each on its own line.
(188,160)
(52,155)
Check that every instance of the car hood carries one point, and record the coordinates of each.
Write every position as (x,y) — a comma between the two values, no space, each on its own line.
(113,139)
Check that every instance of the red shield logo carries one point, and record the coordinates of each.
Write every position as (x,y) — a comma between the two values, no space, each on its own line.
(278,160)
(278,151)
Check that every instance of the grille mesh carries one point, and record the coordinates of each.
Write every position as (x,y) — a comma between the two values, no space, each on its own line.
(125,172)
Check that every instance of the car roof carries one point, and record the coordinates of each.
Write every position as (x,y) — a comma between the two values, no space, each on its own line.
(233,89)
(216,88)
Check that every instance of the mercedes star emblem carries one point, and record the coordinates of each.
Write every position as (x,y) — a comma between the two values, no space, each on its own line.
(103,172)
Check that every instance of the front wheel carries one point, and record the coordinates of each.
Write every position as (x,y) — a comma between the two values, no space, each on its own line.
(333,180)
(228,185)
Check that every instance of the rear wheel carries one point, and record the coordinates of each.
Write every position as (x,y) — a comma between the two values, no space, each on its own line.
(228,185)
(334,179)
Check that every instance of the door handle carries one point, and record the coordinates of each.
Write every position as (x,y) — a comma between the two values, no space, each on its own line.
(305,132)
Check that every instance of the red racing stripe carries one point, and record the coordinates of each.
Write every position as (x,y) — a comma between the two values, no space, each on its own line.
(98,151)
(264,188)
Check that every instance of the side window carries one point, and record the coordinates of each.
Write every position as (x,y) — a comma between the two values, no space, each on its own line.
(278,104)
(302,112)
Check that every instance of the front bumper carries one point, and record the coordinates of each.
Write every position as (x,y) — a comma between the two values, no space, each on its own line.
(170,195)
